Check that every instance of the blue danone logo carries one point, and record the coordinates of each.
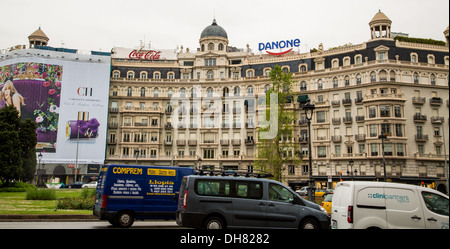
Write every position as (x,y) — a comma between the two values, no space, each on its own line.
(279,45)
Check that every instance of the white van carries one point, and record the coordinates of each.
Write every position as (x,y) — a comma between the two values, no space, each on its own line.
(362,205)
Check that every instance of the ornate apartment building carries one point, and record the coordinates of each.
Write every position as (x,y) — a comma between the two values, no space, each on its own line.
(203,108)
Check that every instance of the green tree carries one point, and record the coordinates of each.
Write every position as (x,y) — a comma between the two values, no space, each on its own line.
(28,139)
(278,150)
(17,147)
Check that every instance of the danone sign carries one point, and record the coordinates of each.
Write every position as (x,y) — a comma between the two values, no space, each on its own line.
(283,44)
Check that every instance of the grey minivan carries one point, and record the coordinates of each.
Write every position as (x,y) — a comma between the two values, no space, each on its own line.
(219,202)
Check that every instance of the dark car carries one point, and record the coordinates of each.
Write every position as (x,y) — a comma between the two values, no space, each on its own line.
(218,202)
(75,185)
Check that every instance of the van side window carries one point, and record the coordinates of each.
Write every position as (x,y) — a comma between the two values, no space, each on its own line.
(212,187)
(251,190)
(435,203)
(279,193)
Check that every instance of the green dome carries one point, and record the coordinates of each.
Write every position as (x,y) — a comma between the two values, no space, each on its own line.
(214,30)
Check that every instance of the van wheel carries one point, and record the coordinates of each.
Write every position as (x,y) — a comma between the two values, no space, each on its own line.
(125,219)
(214,223)
(309,223)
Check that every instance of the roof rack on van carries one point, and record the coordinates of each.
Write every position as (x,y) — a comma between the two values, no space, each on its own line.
(255,173)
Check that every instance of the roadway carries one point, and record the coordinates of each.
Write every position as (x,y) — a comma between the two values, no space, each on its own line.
(84,225)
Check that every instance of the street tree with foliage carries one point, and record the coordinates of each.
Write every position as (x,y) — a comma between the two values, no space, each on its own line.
(17,147)
(278,151)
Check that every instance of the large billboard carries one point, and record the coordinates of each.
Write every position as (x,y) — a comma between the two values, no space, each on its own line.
(66,94)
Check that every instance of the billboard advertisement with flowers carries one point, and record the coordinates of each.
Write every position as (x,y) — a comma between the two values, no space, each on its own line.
(35,90)
(67,99)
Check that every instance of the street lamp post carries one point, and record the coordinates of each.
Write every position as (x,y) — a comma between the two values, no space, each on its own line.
(351,162)
(383,137)
(136,154)
(309,109)
(39,169)
(76,158)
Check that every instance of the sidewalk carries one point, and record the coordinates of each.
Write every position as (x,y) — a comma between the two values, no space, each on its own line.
(47,217)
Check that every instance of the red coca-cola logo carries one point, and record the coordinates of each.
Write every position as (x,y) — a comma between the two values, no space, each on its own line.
(145,55)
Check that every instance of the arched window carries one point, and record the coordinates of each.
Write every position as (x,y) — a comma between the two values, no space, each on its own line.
(335,82)
(347,80)
(226,92)
(320,85)
(130,75)
(433,79)
(303,86)
(220,47)
(129,92)
(143,92)
(416,78)
(210,74)
(266,88)
(250,91)
(211,46)
(237,91)
(170,93)
(382,75)
(182,92)
(358,79)
(157,75)
(209,92)
(373,77)
(114,91)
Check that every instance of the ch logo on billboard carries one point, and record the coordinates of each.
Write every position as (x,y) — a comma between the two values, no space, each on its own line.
(84,91)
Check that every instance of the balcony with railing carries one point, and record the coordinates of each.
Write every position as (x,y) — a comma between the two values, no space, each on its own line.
(437,120)
(421,138)
(419,118)
(336,139)
(418,100)
(360,137)
(435,101)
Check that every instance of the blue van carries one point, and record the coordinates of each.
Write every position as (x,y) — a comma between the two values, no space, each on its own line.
(127,192)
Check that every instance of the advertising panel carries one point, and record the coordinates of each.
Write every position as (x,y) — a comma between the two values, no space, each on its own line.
(144,54)
(66,97)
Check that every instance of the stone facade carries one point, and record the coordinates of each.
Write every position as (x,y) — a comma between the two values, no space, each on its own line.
(359,91)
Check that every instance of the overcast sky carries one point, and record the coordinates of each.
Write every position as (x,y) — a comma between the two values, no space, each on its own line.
(103,24)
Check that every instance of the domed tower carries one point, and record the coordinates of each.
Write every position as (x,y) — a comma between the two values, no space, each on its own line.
(38,38)
(380,26)
(213,38)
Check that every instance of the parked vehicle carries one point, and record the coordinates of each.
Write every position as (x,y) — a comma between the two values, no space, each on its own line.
(126,192)
(388,205)
(218,202)
(90,185)
(75,185)
(327,201)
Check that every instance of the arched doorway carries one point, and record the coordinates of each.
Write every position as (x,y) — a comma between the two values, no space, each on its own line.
(60,172)
(442,188)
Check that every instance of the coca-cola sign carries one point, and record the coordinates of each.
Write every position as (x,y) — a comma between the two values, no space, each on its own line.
(145,55)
